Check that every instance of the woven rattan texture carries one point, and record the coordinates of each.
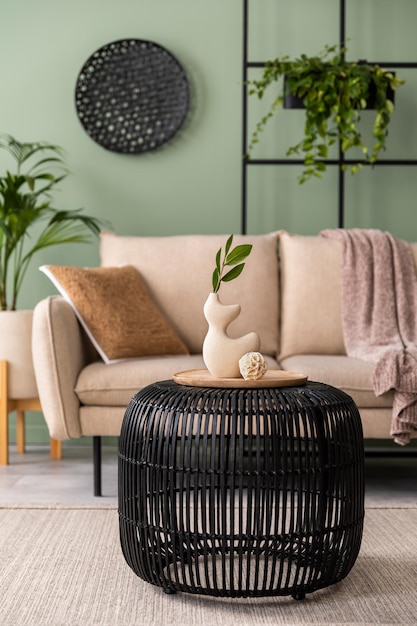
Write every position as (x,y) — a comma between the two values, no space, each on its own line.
(131,96)
(241,492)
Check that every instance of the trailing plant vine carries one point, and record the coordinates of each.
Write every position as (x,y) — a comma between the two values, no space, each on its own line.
(334,92)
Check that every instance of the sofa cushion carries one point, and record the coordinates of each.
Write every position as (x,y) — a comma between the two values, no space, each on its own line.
(115,384)
(178,272)
(353,376)
(311,295)
(115,309)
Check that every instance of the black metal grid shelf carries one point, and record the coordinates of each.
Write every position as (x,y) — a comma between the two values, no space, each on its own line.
(340,161)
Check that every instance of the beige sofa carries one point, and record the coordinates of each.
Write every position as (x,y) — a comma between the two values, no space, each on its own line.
(290,294)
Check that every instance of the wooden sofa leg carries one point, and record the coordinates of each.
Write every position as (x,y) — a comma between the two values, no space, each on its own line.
(56,449)
(20,431)
(97,465)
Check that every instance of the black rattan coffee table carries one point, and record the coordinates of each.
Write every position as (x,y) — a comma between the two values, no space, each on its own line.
(241,492)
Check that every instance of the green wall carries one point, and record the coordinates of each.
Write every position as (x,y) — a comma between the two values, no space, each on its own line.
(193,183)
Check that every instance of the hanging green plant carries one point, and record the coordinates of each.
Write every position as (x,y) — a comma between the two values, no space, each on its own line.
(334,92)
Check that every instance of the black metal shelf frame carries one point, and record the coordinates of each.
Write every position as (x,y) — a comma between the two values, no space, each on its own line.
(340,161)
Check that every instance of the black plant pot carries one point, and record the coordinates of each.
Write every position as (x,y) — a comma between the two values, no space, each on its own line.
(372,95)
(291,101)
(294,102)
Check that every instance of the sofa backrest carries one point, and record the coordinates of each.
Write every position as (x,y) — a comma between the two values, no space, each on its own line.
(311,314)
(311,295)
(178,271)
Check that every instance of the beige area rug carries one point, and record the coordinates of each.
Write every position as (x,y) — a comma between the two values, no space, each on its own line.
(64,566)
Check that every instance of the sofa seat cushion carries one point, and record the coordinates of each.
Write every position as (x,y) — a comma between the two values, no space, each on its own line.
(353,376)
(178,272)
(116,383)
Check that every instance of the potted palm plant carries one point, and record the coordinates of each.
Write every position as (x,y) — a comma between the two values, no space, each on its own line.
(334,93)
(29,222)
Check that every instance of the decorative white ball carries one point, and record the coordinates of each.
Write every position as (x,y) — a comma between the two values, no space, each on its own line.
(252,366)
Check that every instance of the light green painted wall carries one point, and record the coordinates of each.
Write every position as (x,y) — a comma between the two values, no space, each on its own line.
(193,183)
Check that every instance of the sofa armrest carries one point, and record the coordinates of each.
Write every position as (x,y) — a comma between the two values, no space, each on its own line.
(60,351)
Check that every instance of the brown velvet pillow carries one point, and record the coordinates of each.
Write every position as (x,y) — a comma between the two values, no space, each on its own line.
(114,307)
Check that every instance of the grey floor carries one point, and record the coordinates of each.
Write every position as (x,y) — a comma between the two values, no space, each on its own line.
(33,478)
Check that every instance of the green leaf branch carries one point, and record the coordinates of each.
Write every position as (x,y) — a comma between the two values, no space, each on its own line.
(233,258)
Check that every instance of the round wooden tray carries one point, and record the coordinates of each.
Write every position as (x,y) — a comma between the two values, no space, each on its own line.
(271,378)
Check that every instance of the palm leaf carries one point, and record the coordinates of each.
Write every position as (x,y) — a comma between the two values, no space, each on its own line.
(25,200)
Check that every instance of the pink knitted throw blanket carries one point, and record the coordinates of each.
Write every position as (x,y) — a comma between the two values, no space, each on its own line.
(379,311)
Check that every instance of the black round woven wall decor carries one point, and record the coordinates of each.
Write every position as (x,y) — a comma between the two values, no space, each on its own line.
(131,96)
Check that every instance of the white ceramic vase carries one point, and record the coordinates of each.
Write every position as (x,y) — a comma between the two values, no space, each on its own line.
(221,353)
